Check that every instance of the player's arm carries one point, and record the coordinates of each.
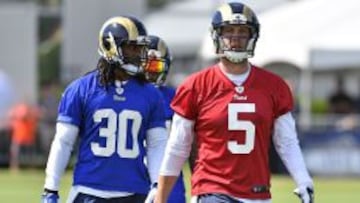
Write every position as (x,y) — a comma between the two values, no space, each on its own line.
(156,139)
(287,146)
(176,153)
(59,156)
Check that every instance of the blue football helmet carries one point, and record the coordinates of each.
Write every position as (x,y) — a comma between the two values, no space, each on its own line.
(234,13)
(114,34)
(158,62)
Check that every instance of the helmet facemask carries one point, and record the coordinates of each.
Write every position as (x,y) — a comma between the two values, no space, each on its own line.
(134,57)
(235,47)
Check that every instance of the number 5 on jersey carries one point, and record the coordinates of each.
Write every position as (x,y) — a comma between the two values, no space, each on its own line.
(235,124)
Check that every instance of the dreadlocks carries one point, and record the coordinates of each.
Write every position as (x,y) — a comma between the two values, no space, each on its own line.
(106,72)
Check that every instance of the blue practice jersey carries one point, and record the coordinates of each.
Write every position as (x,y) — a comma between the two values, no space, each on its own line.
(113,125)
(177,195)
(168,94)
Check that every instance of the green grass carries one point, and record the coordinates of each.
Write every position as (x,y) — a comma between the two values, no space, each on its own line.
(26,186)
(327,190)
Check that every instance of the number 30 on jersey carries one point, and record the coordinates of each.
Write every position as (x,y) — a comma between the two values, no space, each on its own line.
(109,132)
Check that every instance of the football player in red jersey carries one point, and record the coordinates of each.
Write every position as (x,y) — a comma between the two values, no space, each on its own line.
(232,110)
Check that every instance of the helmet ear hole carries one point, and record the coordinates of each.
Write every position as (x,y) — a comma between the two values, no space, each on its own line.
(106,44)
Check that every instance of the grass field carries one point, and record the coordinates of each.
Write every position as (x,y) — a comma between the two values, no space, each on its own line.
(26,186)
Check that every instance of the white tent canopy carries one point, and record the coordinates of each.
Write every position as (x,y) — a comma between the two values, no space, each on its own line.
(308,33)
(311,33)
(183,24)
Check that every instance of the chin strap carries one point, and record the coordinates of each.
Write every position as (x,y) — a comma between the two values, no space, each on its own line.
(235,57)
(131,69)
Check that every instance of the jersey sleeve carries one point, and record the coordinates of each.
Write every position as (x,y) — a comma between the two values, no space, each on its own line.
(157,112)
(70,106)
(184,102)
(283,99)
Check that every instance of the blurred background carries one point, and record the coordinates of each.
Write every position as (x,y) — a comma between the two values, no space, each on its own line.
(313,44)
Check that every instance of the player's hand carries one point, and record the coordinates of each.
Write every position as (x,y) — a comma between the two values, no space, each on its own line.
(194,199)
(151,195)
(49,196)
(306,194)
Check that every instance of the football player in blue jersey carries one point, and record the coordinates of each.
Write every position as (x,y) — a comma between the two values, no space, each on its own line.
(156,71)
(114,112)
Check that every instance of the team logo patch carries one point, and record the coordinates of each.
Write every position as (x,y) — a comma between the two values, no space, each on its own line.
(119,90)
(239,89)
(239,17)
(119,98)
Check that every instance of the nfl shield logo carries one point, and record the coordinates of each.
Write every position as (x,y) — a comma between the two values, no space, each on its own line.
(239,89)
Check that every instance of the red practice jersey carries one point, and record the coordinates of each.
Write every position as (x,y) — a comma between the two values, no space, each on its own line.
(233,129)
